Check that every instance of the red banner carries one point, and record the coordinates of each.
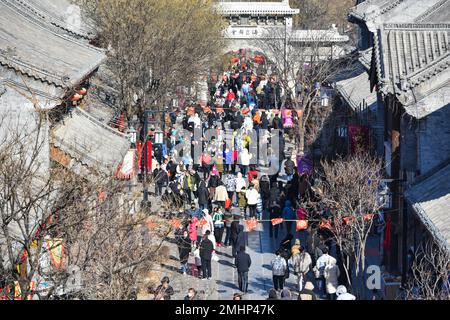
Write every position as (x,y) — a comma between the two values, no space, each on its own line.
(141,150)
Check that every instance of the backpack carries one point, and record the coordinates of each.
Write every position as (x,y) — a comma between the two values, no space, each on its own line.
(278,267)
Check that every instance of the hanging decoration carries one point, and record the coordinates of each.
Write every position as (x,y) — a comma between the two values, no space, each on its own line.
(175,223)
(277,221)
(251,224)
(325,224)
(302,225)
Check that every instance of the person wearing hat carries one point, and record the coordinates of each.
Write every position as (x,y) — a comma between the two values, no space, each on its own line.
(342,294)
(193,211)
(296,247)
(302,264)
(163,291)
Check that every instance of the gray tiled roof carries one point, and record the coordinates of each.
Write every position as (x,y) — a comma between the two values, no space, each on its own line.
(62,14)
(33,49)
(59,15)
(430,103)
(430,198)
(356,90)
(91,142)
(399,11)
(412,54)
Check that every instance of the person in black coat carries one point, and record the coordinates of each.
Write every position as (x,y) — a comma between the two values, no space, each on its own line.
(243,263)
(203,195)
(264,188)
(275,212)
(277,123)
(264,121)
(234,234)
(184,248)
(240,240)
(161,180)
(206,250)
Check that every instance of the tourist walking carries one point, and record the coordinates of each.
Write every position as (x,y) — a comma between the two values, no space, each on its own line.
(243,263)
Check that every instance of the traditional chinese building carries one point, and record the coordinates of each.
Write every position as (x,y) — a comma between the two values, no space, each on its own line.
(410,73)
(255,20)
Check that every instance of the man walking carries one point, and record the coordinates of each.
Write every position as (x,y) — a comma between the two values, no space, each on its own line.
(206,250)
(243,263)
(279,267)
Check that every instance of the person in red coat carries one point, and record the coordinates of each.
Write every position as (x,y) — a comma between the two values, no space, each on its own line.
(231,96)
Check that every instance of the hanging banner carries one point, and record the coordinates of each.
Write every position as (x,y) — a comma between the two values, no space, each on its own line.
(126,169)
(302,225)
(141,158)
(304,165)
(277,221)
(358,138)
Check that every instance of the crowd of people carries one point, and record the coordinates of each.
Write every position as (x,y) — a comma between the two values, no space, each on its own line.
(228,183)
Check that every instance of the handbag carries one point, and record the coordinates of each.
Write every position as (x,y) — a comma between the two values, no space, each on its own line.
(215,257)
(228,203)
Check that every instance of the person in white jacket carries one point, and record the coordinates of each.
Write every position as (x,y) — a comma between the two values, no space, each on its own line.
(245,157)
(324,260)
(331,275)
(209,225)
(252,200)
(240,183)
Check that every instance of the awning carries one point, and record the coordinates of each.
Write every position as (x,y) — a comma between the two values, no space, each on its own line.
(430,198)
(91,142)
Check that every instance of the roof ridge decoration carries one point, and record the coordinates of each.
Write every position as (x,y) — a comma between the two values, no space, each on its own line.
(431,10)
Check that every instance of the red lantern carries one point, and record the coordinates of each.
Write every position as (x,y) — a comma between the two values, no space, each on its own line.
(302,225)
(82,91)
(368,217)
(251,224)
(76,97)
(325,224)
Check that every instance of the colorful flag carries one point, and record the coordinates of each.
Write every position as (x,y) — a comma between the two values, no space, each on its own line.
(277,221)
(302,225)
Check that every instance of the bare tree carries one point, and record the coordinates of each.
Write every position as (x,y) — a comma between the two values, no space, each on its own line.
(303,62)
(428,278)
(54,222)
(348,190)
(156,47)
